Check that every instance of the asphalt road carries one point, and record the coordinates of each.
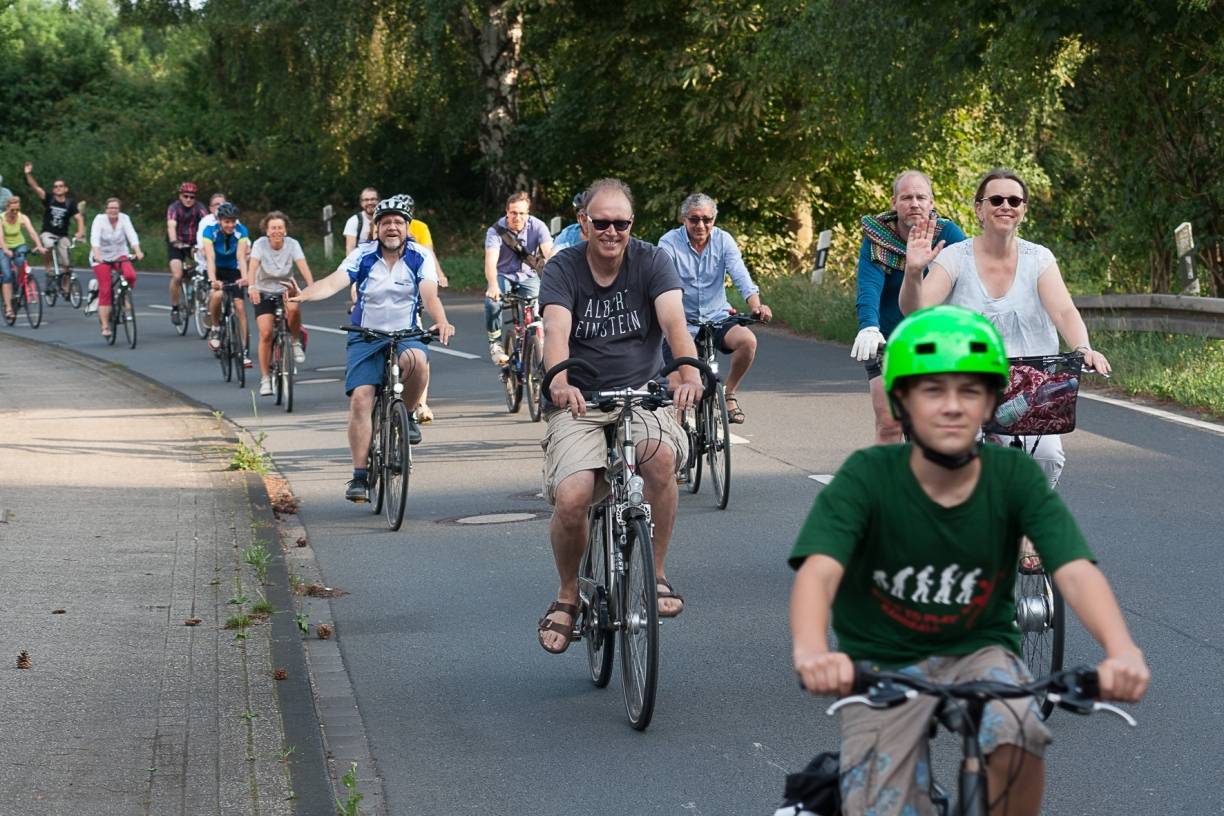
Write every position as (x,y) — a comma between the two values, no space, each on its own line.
(465,712)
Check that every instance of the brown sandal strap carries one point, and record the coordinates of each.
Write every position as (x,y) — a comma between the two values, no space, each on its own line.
(671,591)
(560,628)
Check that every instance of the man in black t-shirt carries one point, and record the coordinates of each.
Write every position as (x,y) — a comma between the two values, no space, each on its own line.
(59,208)
(609,301)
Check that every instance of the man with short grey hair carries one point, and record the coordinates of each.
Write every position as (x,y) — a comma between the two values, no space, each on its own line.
(704,256)
(881,270)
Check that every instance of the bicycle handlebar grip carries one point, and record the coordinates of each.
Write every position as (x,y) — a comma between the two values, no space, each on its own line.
(564,365)
(864,676)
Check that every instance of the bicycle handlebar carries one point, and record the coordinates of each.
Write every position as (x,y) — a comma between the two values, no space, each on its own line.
(424,335)
(573,362)
(1075,690)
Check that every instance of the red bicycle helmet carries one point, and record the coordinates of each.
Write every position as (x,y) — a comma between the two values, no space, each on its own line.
(188,187)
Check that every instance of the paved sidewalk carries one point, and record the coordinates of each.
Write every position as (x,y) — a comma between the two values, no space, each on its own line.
(119,524)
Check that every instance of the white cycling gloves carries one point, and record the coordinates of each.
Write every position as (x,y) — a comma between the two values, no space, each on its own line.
(867,344)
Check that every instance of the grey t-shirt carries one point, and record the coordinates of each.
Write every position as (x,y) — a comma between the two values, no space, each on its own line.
(275,265)
(614,327)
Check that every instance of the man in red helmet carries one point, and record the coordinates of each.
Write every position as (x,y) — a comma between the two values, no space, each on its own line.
(182,218)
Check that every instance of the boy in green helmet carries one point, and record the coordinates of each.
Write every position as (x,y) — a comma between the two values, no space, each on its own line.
(913,549)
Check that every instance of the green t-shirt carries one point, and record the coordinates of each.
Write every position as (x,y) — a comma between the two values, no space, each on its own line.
(922,579)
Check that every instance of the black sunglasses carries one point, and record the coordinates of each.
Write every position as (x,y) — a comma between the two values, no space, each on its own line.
(700,219)
(621,224)
(997,200)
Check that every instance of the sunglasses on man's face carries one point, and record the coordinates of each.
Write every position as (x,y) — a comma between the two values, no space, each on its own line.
(187,195)
(700,219)
(997,200)
(621,224)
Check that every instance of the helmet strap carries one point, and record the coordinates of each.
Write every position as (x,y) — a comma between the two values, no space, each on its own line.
(944,460)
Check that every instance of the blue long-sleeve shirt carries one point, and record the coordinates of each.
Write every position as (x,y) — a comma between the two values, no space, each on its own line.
(704,276)
(879,288)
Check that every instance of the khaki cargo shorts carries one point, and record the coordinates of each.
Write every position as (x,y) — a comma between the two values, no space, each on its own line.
(574,444)
(885,758)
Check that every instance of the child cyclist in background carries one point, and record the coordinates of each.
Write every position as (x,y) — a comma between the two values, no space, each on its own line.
(913,548)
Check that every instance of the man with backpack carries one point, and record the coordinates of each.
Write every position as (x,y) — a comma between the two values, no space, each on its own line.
(516,247)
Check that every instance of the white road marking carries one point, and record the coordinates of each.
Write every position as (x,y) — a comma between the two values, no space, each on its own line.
(330,368)
(496,518)
(737,440)
(317,381)
(1202,425)
(159,306)
(823,478)
(433,347)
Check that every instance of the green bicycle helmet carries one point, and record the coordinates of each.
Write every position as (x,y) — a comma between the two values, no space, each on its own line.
(942,340)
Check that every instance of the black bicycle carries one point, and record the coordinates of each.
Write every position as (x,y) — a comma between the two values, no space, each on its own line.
(188,298)
(709,428)
(229,332)
(617,587)
(960,710)
(524,344)
(389,461)
(123,309)
(63,282)
(281,367)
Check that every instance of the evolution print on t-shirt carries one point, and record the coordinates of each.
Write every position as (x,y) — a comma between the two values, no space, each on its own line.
(608,317)
(966,591)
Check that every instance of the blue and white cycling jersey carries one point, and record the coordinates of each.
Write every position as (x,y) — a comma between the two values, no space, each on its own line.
(225,247)
(389,299)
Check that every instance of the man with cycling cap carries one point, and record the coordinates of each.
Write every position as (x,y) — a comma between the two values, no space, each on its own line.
(395,277)
(913,548)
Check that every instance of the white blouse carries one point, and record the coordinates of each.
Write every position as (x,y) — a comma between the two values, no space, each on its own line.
(110,243)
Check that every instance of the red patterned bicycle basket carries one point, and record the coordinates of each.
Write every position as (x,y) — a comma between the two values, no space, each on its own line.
(1040,397)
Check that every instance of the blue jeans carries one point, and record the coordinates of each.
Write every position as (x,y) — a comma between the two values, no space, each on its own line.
(493,309)
(8,266)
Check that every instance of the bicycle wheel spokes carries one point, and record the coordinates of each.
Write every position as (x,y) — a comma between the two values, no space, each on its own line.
(33,303)
(186,303)
(236,345)
(397,467)
(53,288)
(225,354)
(718,446)
(200,308)
(512,380)
(126,310)
(639,626)
(374,464)
(75,296)
(693,427)
(288,370)
(533,366)
(595,616)
(1041,619)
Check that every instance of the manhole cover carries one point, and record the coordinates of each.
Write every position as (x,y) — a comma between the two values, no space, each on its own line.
(496,518)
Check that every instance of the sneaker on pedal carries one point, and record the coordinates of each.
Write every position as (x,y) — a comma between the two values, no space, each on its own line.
(214,339)
(246,362)
(175,317)
(357,491)
(265,386)
(414,431)
(498,354)
(299,353)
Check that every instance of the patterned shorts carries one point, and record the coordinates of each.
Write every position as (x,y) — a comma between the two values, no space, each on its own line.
(885,758)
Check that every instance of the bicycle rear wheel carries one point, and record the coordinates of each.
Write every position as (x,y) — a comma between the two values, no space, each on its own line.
(397,465)
(512,382)
(75,296)
(374,458)
(126,309)
(639,633)
(33,303)
(186,297)
(533,365)
(51,292)
(1041,617)
(694,424)
(718,446)
(595,618)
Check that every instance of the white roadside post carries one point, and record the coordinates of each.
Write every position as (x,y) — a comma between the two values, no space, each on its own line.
(822,256)
(1184,236)
(327,232)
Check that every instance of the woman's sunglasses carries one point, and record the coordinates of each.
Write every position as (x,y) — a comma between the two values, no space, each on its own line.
(621,224)
(997,200)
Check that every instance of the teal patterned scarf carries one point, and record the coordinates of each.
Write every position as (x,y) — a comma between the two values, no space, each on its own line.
(887,248)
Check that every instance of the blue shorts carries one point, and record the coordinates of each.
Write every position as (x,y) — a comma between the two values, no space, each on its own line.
(364,360)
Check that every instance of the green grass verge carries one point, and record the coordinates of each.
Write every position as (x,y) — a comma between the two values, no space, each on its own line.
(1188,371)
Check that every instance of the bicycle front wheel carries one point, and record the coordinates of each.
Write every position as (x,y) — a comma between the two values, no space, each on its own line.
(1041,617)
(274,368)
(512,381)
(52,291)
(234,330)
(397,465)
(33,303)
(113,320)
(126,309)
(199,306)
(595,618)
(533,366)
(718,446)
(186,297)
(639,625)
(75,296)
(694,424)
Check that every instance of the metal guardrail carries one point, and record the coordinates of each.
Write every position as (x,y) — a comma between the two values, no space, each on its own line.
(1173,314)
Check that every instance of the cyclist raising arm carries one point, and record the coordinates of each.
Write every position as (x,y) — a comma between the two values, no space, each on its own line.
(394,278)
(59,209)
(913,548)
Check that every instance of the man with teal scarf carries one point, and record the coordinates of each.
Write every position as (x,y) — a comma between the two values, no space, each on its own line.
(881,269)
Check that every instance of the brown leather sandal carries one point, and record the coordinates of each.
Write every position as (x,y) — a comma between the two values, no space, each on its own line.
(670,593)
(546,625)
(735,416)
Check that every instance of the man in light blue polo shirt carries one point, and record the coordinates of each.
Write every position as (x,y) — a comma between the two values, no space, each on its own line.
(704,256)
(516,247)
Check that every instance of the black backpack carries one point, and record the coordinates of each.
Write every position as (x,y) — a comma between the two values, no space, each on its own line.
(814,790)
